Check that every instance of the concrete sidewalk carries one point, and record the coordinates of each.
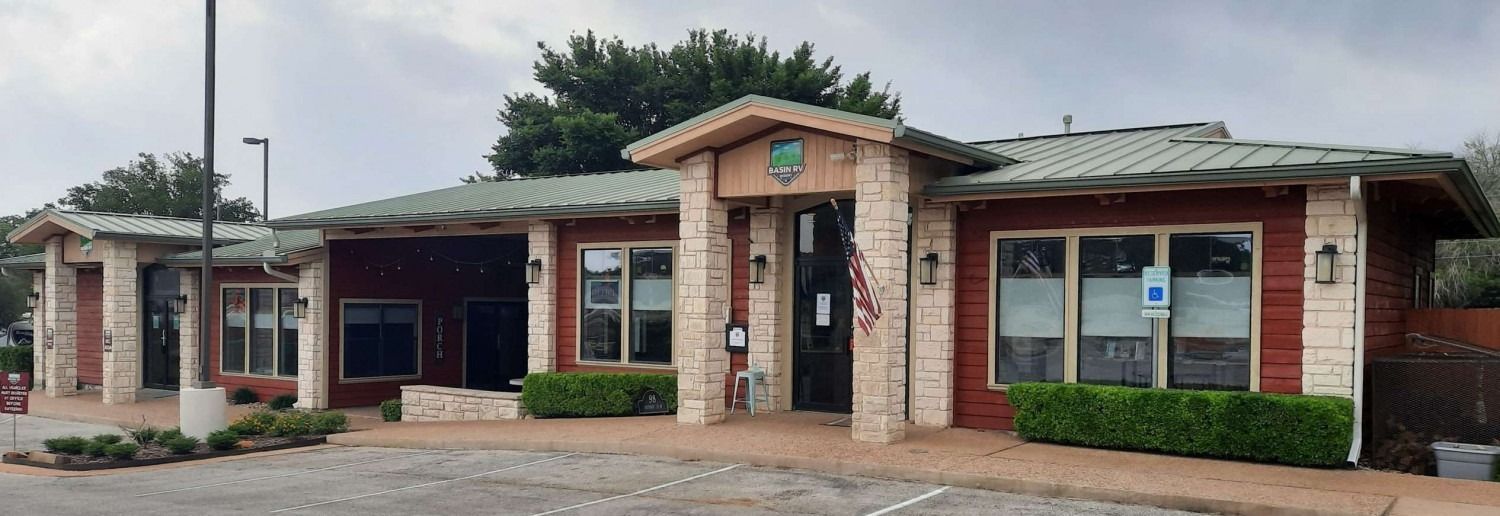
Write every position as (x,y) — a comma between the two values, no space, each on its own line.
(161,411)
(968,458)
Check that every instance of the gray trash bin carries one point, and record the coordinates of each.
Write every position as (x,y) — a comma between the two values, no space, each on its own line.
(1466,461)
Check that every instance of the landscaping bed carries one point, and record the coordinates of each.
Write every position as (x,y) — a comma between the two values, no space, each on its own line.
(153,455)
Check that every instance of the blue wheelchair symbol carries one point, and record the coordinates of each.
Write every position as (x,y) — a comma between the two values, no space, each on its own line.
(1155,293)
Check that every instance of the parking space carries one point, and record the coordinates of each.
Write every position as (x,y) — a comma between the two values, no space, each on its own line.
(374,482)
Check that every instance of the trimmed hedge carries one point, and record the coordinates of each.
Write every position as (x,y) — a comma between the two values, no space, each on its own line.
(1289,429)
(15,359)
(592,394)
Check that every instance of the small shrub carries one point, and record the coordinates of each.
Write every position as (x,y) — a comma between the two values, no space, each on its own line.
(223,439)
(390,410)
(168,435)
(181,444)
(122,451)
(325,423)
(291,424)
(244,396)
(282,402)
(107,438)
(254,423)
(94,448)
(143,435)
(71,445)
(593,394)
(15,359)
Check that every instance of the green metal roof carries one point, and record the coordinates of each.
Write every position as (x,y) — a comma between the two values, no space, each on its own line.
(899,130)
(263,249)
(25,261)
(580,194)
(150,228)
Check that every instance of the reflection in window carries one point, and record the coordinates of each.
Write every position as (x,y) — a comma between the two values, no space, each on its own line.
(1209,346)
(259,334)
(236,319)
(1114,341)
(262,331)
(286,360)
(380,339)
(651,306)
(1029,322)
(601,305)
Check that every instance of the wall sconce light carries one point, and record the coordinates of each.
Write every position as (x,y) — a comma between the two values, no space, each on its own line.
(534,271)
(1325,259)
(33,299)
(927,269)
(758,269)
(179,304)
(299,308)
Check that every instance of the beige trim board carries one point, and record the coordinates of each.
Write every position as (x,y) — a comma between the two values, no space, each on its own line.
(344,302)
(275,335)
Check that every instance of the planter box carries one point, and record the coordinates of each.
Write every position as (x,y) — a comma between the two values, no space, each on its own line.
(1466,461)
(131,463)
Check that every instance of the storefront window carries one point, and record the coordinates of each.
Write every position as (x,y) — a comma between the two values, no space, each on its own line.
(254,339)
(1114,341)
(1029,320)
(601,305)
(1210,324)
(651,306)
(286,358)
(613,305)
(236,319)
(380,339)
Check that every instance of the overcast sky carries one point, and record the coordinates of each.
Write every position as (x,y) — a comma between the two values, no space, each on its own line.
(370,99)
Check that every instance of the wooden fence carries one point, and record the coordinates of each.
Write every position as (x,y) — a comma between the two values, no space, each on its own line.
(1472,325)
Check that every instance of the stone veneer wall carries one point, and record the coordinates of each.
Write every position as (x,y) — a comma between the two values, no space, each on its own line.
(703,294)
(431,403)
(881,212)
(61,293)
(122,313)
(765,305)
(1328,309)
(932,318)
(541,311)
(312,362)
(187,328)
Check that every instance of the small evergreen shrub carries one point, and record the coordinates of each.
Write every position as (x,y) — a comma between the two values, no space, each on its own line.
(143,435)
(168,435)
(390,410)
(122,451)
(1289,429)
(324,423)
(223,439)
(94,448)
(593,394)
(108,438)
(254,423)
(244,396)
(71,445)
(15,359)
(181,444)
(282,402)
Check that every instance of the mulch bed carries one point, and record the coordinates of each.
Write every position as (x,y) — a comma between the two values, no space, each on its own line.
(153,454)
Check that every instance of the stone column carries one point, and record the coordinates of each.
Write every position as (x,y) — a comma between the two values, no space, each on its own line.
(1328,309)
(61,313)
(766,226)
(932,321)
(312,362)
(703,294)
(882,181)
(122,313)
(541,312)
(39,329)
(187,328)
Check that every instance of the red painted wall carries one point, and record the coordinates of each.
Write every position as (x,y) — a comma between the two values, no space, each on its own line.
(739,290)
(90,326)
(572,232)
(265,388)
(1281,278)
(1399,243)
(427,273)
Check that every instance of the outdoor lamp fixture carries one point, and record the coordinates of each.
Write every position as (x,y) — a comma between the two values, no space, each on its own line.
(1325,258)
(758,269)
(927,269)
(179,304)
(534,271)
(299,308)
(33,299)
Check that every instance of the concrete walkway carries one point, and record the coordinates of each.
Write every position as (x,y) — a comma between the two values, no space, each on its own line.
(968,458)
(160,411)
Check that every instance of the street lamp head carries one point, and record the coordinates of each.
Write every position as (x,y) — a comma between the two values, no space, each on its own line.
(253,141)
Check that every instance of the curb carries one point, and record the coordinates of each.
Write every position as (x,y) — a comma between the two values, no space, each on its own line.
(969,480)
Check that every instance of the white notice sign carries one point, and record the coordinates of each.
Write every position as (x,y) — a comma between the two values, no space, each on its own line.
(825,304)
(822,320)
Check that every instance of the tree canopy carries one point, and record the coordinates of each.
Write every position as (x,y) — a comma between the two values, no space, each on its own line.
(170,187)
(606,93)
(1468,271)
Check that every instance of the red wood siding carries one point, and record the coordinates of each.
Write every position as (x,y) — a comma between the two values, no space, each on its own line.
(1479,326)
(427,274)
(1283,223)
(739,290)
(1399,243)
(587,231)
(264,387)
(90,326)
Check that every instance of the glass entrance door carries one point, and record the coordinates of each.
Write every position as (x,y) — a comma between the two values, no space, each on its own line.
(160,351)
(823,313)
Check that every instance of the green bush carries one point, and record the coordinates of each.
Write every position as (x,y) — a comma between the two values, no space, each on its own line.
(254,423)
(1299,430)
(592,394)
(94,448)
(71,445)
(291,424)
(122,451)
(325,423)
(15,359)
(181,444)
(167,435)
(223,439)
(282,402)
(244,396)
(108,438)
(390,410)
(143,435)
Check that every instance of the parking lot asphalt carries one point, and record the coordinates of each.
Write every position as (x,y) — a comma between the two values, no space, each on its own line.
(379,481)
(30,431)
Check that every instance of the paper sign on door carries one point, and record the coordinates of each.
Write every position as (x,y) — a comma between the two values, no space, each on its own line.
(824,308)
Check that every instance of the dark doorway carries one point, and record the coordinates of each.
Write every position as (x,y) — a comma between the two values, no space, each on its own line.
(160,353)
(494,344)
(822,312)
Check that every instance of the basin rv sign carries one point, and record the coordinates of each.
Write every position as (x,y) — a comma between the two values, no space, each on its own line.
(786,161)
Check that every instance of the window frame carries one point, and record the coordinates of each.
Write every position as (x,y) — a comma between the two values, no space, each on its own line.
(1072,282)
(625,249)
(421,323)
(275,337)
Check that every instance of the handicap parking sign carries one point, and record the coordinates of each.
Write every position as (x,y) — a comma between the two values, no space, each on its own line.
(1156,287)
(1155,293)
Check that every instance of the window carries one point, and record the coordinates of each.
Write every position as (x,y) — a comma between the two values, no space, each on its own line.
(626,300)
(259,336)
(1067,307)
(381,339)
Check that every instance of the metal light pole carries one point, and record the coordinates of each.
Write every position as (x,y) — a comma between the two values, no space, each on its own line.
(265,169)
(205,288)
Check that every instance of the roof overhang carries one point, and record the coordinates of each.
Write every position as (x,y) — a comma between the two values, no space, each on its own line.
(545,212)
(48,224)
(753,114)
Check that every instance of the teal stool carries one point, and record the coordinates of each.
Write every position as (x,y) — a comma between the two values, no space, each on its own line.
(751,377)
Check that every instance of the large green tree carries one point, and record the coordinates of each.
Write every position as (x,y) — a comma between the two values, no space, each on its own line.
(1468,271)
(169,186)
(606,93)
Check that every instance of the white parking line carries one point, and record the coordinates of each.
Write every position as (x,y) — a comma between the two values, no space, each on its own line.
(910,502)
(643,491)
(477,475)
(154,493)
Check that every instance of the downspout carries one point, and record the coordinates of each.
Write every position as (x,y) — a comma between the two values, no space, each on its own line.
(266,266)
(1361,263)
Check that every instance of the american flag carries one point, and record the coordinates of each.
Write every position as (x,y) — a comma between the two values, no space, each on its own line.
(866,305)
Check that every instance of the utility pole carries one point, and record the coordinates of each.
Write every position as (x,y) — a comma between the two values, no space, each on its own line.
(205,288)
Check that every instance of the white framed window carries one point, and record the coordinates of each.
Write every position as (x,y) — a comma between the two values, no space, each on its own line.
(258,329)
(381,339)
(1066,307)
(627,303)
